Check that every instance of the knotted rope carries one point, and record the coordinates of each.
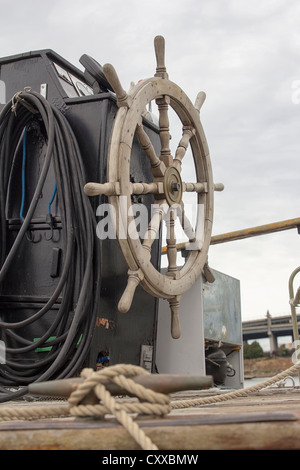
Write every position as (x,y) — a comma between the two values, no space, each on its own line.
(150,402)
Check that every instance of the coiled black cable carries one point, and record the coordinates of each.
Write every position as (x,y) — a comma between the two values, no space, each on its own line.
(79,284)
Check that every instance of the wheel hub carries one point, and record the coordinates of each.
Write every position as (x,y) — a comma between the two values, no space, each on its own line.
(172,186)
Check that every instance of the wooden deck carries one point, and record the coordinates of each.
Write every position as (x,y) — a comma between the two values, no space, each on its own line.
(269,419)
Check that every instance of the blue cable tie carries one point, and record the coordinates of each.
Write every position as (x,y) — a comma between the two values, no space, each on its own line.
(52,198)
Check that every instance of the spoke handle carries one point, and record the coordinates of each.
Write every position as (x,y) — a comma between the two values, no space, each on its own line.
(159,46)
(106,189)
(200,100)
(112,77)
(219,187)
(134,278)
(175,323)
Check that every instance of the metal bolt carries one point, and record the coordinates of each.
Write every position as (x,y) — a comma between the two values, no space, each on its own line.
(175,186)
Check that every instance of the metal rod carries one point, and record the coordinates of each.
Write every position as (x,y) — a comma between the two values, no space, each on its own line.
(247,233)
(256,231)
(294,303)
(157,382)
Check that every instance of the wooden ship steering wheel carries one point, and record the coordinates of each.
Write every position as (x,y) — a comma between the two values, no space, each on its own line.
(167,186)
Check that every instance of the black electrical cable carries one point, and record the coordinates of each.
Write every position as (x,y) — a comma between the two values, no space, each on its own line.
(78,287)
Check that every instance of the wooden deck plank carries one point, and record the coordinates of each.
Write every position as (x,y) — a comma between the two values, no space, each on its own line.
(266,420)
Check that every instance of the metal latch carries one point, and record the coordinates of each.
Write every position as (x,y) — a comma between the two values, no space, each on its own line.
(146,357)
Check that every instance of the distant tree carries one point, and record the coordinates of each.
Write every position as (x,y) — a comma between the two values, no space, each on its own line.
(283,351)
(253,350)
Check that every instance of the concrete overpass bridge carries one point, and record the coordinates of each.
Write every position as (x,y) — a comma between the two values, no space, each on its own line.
(269,327)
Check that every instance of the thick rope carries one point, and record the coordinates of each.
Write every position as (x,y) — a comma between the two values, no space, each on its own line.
(10,413)
(237,393)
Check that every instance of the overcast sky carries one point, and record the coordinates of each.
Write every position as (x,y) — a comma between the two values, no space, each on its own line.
(246,57)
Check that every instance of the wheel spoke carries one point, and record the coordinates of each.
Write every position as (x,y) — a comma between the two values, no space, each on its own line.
(171,243)
(159,208)
(194,187)
(200,187)
(195,237)
(157,166)
(198,244)
(147,188)
(187,133)
(186,224)
(164,131)
(113,189)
